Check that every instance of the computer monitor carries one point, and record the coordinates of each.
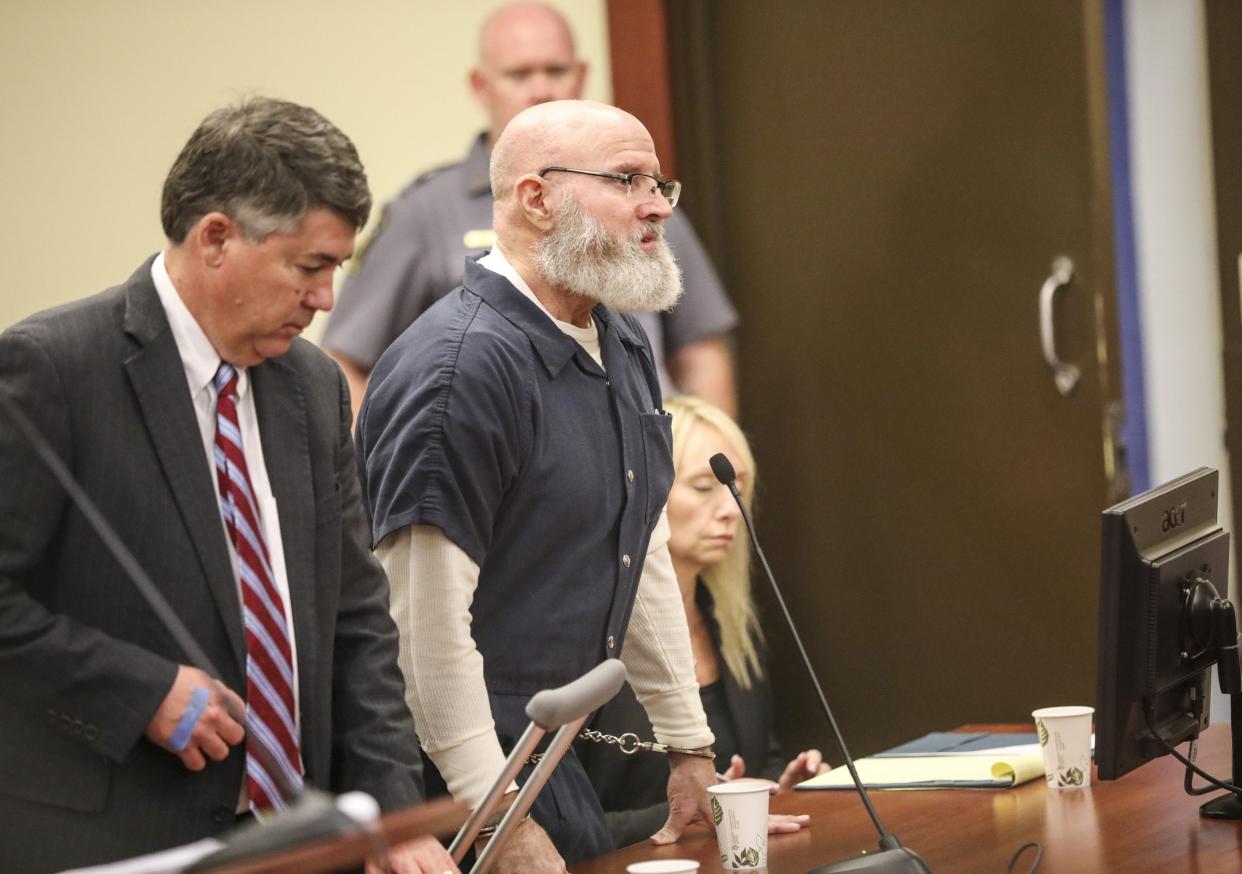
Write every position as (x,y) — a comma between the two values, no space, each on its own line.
(1164,621)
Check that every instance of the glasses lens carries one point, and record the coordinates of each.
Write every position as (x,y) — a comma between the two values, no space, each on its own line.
(671,191)
(642,186)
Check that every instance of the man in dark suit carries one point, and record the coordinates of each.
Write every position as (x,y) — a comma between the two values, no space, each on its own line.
(217,443)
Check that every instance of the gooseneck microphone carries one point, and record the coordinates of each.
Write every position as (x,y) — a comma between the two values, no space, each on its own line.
(312,814)
(111,540)
(893,858)
(168,618)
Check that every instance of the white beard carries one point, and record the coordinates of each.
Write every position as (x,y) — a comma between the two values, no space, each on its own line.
(582,257)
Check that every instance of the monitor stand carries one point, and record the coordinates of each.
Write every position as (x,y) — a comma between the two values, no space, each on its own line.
(1229,806)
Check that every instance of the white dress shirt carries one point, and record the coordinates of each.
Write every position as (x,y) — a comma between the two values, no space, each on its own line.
(201,361)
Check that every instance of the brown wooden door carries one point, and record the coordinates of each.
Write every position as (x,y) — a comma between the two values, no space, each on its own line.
(885,185)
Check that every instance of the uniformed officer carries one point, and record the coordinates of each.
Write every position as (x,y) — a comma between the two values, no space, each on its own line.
(415,256)
(516,462)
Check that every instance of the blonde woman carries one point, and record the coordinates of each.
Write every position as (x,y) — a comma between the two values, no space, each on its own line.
(711,557)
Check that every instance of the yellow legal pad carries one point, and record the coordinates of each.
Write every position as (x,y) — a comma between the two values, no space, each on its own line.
(967,771)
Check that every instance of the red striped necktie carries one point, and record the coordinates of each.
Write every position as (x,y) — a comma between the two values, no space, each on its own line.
(273,759)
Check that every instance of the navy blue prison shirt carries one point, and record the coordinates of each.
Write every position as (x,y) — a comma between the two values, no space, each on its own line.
(488,422)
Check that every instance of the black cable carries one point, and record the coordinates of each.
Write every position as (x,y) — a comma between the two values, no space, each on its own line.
(1191,766)
(1191,789)
(1188,783)
(1149,717)
(1039,854)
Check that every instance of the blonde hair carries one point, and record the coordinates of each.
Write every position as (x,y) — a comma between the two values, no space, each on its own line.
(729,581)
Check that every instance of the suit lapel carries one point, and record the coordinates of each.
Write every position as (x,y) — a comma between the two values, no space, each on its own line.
(156,373)
(281,410)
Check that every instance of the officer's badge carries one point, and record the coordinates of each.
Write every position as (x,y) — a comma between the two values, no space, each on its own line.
(484,238)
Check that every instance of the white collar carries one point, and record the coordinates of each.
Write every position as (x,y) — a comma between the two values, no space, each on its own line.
(199,358)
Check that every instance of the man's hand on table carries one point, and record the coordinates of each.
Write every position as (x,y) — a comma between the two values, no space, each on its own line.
(688,779)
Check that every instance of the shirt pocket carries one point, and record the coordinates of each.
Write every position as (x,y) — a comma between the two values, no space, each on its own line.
(657,431)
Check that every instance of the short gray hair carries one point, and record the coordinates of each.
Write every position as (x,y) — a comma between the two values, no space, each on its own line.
(264,163)
(503,169)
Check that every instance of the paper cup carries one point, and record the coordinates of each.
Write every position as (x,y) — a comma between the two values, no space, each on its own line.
(740,811)
(663,866)
(1065,738)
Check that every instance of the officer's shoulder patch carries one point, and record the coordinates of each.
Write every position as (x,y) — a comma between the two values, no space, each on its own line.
(355,263)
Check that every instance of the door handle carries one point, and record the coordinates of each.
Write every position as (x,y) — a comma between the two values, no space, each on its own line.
(1064,375)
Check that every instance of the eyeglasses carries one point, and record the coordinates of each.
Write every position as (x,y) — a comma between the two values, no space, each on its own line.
(670,189)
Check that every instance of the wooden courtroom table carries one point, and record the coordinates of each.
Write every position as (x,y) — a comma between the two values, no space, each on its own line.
(1142,822)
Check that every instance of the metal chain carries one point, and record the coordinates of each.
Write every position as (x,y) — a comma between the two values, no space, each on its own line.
(629,744)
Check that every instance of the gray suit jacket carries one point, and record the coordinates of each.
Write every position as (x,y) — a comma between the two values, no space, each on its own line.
(83,661)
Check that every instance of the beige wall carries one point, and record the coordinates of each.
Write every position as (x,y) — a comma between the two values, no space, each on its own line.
(99,95)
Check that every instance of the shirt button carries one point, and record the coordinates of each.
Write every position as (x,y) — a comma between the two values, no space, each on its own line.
(625,560)
(91,732)
(223,813)
(612,642)
(629,474)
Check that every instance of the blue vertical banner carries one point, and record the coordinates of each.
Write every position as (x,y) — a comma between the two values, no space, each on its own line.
(1129,318)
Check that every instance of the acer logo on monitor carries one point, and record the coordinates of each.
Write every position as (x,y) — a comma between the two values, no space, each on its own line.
(1173,517)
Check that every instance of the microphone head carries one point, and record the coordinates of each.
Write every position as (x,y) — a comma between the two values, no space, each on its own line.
(359,807)
(722,468)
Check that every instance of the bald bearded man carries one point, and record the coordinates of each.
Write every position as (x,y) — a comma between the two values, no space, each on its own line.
(415,256)
(516,462)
